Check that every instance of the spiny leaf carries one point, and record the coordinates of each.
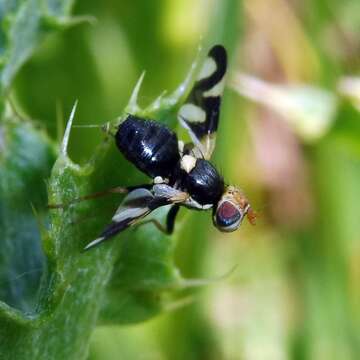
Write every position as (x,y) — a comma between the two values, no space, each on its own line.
(26,157)
(23,25)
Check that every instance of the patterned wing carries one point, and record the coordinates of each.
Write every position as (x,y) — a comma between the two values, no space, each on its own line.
(136,205)
(200,113)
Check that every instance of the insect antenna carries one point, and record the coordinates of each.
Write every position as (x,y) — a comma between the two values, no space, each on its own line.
(252,215)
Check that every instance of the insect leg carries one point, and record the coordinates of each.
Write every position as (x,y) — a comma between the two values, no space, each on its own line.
(155,222)
(138,204)
(115,190)
(171,217)
(170,221)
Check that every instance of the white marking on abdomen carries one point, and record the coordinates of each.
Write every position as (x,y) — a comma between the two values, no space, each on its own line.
(192,113)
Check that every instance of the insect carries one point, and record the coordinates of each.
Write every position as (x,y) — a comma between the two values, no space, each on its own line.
(182,173)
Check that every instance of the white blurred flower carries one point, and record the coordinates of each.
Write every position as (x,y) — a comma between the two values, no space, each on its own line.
(310,111)
(349,86)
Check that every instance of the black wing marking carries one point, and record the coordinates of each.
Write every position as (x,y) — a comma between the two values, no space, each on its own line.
(200,113)
(136,205)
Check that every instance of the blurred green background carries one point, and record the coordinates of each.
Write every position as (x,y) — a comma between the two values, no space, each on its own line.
(294,148)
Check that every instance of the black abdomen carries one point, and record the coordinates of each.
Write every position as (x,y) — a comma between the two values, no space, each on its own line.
(149,145)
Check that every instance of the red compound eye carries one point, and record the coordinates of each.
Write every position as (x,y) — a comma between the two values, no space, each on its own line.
(227,214)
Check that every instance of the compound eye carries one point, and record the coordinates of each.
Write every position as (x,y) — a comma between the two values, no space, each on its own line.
(228,216)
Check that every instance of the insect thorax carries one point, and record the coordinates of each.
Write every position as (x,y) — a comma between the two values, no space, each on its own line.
(200,179)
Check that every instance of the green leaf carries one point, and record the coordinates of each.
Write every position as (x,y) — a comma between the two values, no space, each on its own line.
(26,157)
(23,25)
(73,283)
(346,130)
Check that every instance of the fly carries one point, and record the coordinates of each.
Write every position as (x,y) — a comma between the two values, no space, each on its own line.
(182,174)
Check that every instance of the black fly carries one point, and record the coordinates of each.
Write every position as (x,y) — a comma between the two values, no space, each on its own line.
(182,174)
